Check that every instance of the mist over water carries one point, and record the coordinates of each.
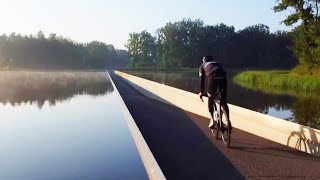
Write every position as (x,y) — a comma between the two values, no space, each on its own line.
(18,87)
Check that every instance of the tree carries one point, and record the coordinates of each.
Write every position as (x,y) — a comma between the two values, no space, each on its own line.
(40,35)
(100,53)
(179,43)
(218,41)
(307,35)
(142,49)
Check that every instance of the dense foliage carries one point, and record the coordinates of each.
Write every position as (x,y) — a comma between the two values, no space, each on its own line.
(18,51)
(306,36)
(183,43)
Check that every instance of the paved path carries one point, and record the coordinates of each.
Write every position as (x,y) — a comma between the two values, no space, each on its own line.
(185,149)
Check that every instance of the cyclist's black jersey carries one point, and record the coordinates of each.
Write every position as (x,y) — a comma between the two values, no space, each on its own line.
(214,71)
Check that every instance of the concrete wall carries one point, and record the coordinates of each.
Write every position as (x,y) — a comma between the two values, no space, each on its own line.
(152,168)
(284,132)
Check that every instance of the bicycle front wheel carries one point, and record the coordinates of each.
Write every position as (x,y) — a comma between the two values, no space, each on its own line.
(225,129)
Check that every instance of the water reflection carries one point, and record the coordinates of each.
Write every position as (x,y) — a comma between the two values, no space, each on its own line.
(300,107)
(306,111)
(84,136)
(185,80)
(304,108)
(17,87)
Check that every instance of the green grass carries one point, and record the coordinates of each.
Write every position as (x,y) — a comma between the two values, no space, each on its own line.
(279,82)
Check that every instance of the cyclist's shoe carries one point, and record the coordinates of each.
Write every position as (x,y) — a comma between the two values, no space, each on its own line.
(211,124)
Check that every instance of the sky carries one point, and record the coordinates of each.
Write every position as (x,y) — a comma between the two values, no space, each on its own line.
(111,21)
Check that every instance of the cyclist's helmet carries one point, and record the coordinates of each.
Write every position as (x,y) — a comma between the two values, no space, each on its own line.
(207,59)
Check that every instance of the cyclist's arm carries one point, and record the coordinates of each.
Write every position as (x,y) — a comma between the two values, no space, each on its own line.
(201,78)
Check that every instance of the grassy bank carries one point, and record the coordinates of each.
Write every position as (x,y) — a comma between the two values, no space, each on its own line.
(279,82)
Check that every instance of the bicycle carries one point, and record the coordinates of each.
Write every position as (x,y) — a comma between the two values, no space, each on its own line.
(223,125)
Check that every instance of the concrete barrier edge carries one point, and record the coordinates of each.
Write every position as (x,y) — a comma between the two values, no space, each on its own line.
(152,168)
(284,132)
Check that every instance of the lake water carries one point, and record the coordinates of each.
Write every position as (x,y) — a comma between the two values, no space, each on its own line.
(73,129)
(304,110)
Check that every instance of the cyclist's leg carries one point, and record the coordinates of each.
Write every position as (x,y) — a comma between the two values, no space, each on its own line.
(224,105)
(210,107)
(224,88)
(223,99)
(210,104)
(210,91)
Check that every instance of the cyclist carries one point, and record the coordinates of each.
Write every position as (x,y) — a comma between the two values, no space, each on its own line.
(216,82)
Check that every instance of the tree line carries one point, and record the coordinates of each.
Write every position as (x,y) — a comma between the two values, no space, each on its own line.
(183,43)
(56,52)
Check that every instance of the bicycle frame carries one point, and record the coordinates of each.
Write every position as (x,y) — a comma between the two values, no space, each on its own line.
(216,109)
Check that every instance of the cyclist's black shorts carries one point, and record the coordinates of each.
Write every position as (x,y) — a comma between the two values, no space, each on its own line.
(216,84)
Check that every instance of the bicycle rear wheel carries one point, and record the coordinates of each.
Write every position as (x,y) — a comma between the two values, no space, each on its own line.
(225,129)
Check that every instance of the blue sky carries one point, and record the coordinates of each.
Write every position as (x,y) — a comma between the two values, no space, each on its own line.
(111,21)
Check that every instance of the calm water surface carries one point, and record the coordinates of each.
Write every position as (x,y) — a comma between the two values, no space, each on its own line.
(303,110)
(65,130)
